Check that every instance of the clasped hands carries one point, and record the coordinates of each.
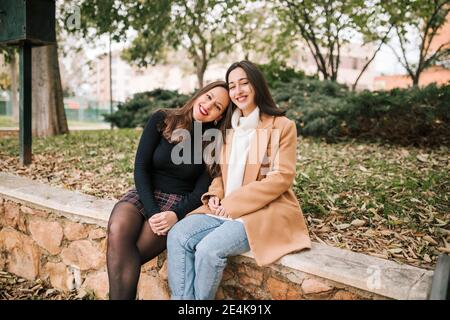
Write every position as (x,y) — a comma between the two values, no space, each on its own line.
(216,207)
(161,223)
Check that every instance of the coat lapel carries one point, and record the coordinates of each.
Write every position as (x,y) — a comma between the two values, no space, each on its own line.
(258,147)
(225,157)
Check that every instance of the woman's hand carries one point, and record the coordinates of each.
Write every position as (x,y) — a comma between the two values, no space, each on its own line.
(214,203)
(220,211)
(161,223)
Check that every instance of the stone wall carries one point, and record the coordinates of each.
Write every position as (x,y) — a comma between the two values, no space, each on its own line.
(60,236)
(71,255)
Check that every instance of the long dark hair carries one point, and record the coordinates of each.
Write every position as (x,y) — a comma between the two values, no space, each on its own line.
(182,118)
(263,98)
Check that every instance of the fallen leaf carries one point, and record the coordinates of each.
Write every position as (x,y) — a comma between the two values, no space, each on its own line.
(430,240)
(363,169)
(358,223)
(422,157)
(395,250)
(343,226)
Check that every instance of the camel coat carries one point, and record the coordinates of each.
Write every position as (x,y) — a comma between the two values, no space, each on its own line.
(266,203)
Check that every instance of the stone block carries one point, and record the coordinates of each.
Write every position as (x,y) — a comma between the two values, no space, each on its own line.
(23,255)
(97,283)
(250,275)
(60,276)
(345,295)
(83,254)
(75,231)
(278,289)
(98,233)
(310,286)
(11,214)
(48,234)
(33,212)
(163,271)
(151,287)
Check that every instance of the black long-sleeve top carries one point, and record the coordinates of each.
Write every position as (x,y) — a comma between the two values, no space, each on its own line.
(155,170)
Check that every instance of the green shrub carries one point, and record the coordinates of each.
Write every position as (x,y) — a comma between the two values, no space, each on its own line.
(136,111)
(330,110)
(277,73)
(414,115)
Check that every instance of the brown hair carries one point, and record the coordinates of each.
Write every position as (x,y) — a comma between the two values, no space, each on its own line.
(182,118)
(263,98)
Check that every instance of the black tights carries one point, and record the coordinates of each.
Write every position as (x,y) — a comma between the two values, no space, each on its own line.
(131,243)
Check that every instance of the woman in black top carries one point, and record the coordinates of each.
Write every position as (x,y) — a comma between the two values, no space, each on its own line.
(166,188)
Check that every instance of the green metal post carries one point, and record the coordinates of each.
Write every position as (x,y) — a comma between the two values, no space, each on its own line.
(110,81)
(25,104)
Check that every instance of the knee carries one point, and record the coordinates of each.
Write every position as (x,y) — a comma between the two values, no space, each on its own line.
(119,221)
(209,254)
(175,235)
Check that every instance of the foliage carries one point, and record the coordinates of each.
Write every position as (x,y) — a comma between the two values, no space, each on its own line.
(136,111)
(385,200)
(277,73)
(327,25)
(417,24)
(204,29)
(405,116)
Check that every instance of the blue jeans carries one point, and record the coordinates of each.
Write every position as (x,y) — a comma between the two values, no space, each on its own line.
(197,251)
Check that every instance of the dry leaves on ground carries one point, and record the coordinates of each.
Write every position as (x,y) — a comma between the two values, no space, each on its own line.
(387,201)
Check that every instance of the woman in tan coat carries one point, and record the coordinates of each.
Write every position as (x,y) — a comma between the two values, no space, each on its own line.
(251,204)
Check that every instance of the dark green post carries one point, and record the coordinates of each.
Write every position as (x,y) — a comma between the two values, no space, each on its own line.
(25,104)
(26,23)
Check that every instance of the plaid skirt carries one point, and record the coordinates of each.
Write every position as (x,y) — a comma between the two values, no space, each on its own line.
(165,201)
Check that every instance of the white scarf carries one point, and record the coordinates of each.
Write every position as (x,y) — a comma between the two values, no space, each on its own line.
(244,130)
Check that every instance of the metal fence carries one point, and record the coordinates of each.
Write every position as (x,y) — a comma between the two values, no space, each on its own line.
(77,108)
(5,103)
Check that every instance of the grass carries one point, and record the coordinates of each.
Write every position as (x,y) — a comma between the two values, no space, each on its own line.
(384,200)
(7,121)
(373,178)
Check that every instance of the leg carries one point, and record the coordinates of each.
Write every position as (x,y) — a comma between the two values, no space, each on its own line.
(181,243)
(230,239)
(122,257)
(149,244)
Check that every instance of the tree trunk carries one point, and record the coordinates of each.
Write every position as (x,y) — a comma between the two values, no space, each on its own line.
(14,87)
(49,117)
(200,75)
(415,79)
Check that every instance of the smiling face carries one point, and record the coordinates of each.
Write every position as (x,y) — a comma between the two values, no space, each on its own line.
(211,105)
(242,92)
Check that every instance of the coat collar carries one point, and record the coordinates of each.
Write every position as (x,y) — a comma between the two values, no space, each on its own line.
(258,147)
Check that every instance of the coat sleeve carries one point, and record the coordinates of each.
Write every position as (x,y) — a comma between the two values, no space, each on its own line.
(257,194)
(214,190)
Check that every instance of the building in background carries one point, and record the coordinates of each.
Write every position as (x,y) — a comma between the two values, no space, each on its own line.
(99,84)
(128,80)
(439,74)
(353,58)
(436,74)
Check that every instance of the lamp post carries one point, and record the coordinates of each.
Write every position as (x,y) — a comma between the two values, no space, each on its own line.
(110,80)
